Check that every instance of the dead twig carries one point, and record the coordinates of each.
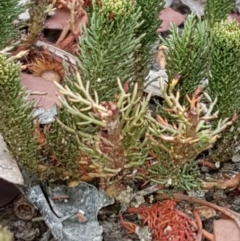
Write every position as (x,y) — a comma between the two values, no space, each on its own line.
(181,197)
(223,184)
(207,163)
(199,224)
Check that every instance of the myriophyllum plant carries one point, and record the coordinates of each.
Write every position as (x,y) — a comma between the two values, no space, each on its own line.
(117,137)
(110,134)
(188,132)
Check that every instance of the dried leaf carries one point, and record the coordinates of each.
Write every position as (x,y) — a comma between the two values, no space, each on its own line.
(168,15)
(234,16)
(206,212)
(58,52)
(161,60)
(48,91)
(58,20)
(225,229)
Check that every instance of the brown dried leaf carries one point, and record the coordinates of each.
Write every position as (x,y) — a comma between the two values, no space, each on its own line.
(161,60)
(234,16)
(168,15)
(39,84)
(205,211)
(58,20)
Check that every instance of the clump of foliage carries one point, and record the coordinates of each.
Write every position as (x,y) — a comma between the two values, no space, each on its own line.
(209,49)
(217,11)
(185,177)
(117,43)
(224,82)
(150,10)
(16,124)
(9,12)
(187,53)
(224,65)
(114,8)
(123,135)
(108,45)
(109,134)
(62,149)
(61,146)
(177,141)
(104,129)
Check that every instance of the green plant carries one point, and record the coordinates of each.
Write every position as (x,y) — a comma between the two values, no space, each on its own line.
(224,63)
(118,43)
(62,149)
(187,54)
(176,177)
(9,12)
(16,123)
(150,10)
(108,45)
(217,10)
(110,134)
(116,137)
(179,141)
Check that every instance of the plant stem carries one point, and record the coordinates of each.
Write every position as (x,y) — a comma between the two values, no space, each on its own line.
(181,197)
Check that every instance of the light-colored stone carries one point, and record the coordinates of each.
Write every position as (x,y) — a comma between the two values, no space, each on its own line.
(236,158)
(153,80)
(9,169)
(168,3)
(196,6)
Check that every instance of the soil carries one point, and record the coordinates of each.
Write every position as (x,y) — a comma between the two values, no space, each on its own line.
(109,218)
(24,230)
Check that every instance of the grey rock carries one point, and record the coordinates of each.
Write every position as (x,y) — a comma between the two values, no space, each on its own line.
(153,80)
(61,216)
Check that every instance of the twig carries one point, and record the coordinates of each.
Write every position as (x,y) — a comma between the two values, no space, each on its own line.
(181,197)
(199,223)
(60,197)
(37,92)
(223,184)
(206,163)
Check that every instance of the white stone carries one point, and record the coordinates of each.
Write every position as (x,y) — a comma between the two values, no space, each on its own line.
(168,3)
(153,80)
(9,169)
(196,6)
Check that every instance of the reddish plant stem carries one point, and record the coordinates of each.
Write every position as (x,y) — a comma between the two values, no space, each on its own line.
(60,197)
(223,184)
(75,33)
(206,163)
(181,197)
(129,226)
(199,223)
(206,234)
(161,216)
